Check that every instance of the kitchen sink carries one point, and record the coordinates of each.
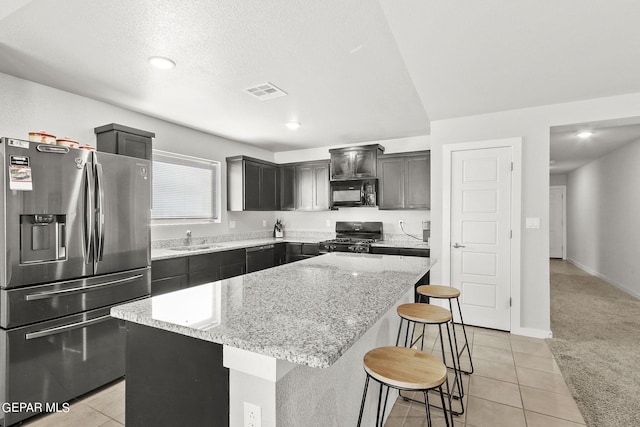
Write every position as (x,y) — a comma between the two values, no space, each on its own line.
(193,248)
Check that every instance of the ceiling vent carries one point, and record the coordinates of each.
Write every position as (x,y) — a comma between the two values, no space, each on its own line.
(265,91)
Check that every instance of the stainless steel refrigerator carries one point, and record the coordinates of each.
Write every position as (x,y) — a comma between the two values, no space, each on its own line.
(74,241)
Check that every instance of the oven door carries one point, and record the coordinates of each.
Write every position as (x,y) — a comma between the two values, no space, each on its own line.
(52,362)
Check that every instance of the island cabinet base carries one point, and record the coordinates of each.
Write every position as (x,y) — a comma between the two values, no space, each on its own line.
(174,380)
(292,395)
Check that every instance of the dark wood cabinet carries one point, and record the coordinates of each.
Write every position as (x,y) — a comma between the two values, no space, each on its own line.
(124,140)
(233,263)
(168,275)
(280,253)
(204,268)
(252,191)
(269,188)
(404,181)
(355,162)
(312,186)
(252,184)
(388,250)
(287,187)
(299,251)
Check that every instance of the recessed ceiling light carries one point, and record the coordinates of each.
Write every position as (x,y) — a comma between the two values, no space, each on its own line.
(293,125)
(161,62)
(585,134)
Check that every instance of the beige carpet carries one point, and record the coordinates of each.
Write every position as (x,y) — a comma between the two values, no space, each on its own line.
(596,329)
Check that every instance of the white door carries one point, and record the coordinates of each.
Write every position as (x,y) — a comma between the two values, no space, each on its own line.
(481,234)
(556,222)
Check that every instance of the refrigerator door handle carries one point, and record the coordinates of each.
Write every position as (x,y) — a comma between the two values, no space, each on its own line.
(65,328)
(100,211)
(59,292)
(88,215)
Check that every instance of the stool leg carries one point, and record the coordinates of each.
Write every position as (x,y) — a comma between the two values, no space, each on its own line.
(444,409)
(384,407)
(378,420)
(451,390)
(457,372)
(466,341)
(364,396)
(426,406)
(399,330)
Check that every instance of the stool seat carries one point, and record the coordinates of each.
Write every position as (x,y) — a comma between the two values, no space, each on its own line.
(436,291)
(424,313)
(405,368)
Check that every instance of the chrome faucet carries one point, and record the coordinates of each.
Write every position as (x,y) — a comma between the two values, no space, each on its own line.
(189,238)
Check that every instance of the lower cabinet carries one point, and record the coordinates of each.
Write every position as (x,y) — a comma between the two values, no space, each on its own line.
(168,275)
(300,251)
(424,252)
(280,253)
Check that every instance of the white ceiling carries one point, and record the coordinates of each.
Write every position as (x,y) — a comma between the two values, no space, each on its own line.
(354,71)
(569,152)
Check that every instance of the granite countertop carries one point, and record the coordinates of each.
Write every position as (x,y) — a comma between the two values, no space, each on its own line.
(309,312)
(167,252)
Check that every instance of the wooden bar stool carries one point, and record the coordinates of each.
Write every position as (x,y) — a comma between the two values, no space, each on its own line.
(404,369)
(426,292)
(425,314)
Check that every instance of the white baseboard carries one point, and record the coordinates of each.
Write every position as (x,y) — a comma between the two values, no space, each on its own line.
(531,332)
(605,278)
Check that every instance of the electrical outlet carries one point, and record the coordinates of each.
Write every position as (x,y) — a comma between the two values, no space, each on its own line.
(252,417)
(328,223)
(401,223)
(232,224)
(264,222)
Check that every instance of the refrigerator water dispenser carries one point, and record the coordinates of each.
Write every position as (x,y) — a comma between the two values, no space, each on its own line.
(42,238)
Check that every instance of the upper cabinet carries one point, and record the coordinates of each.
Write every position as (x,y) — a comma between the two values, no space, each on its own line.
(252,185)
(355,162)
(287,175)
(404,180)
(257,185)
(312,185)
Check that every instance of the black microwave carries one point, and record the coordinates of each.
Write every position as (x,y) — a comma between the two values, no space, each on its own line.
(359,192)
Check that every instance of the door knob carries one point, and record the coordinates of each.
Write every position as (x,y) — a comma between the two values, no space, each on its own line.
(458,245)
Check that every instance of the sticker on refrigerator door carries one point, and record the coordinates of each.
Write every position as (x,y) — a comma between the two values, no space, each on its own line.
(18,143)
(20,178)
(20,173)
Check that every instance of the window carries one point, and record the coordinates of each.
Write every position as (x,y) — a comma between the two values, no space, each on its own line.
(185,187)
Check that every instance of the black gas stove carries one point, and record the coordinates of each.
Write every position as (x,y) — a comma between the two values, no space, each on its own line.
(353,237)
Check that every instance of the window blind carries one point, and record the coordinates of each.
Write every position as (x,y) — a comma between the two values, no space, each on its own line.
(184,187)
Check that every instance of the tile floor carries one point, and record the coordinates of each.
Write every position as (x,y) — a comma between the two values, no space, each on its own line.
(101,408)
(516,383)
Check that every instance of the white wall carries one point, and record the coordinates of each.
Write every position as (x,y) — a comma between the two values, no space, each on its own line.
(560,179)
(603,212)
(28,106)
(533,125)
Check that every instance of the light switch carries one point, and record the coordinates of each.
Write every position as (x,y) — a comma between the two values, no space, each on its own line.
(533,223)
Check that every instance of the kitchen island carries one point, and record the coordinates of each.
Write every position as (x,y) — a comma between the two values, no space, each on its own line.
(291,337)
